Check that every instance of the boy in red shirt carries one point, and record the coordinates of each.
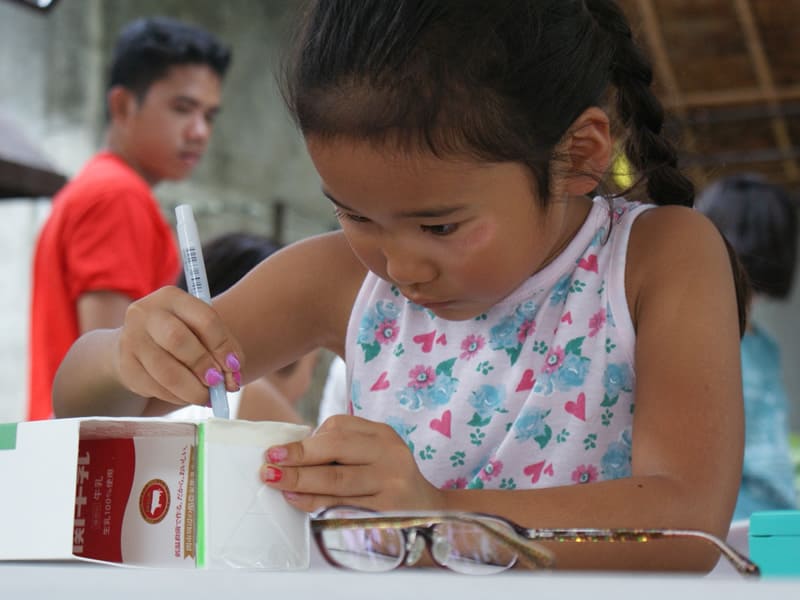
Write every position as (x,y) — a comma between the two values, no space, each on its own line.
(106,243)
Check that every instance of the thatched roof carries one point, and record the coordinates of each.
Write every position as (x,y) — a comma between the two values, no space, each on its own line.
(729,73)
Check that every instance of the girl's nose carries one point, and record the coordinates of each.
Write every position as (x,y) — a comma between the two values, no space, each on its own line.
(407,268)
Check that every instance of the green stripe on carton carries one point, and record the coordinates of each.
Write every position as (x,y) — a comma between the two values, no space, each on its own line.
(201,496)
(8,436)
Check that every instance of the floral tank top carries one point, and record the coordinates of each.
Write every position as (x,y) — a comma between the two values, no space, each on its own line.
(536,392)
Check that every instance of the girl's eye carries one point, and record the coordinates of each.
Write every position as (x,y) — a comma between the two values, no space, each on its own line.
(340,214)
(442,230)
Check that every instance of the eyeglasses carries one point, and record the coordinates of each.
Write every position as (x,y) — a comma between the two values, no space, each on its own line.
(469,543)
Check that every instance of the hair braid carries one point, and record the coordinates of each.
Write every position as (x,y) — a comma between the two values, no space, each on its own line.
(640,111)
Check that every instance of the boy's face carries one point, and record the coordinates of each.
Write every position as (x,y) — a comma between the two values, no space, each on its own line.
(164,134)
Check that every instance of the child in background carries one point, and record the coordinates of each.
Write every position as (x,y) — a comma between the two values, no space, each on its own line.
(759,219)
(274,397)
(499,325)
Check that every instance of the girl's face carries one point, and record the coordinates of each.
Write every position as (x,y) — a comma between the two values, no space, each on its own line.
(454,237)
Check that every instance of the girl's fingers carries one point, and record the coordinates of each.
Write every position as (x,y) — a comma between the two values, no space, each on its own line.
(340,439)
(334,481)
(188,335)
(172,380)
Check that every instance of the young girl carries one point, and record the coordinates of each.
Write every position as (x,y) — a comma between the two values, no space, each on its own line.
(498,324)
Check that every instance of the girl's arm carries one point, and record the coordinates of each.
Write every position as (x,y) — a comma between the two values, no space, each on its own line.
(290,304)
(687,431)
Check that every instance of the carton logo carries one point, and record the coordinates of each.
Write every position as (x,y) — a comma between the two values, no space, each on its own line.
(154,501)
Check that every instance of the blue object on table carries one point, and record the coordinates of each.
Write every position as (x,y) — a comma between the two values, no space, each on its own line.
(775,542)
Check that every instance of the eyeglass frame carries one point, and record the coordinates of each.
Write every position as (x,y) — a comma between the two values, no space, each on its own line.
(521,544)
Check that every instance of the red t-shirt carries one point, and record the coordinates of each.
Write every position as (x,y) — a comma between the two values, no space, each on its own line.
(105,233)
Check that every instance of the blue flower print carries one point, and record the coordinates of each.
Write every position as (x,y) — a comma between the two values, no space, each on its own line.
(560,290)
(428,389)
(504,334)
(488,399)
(372,323)
(355,395)
(616,462)
(610,316)
(440,391)
(402,429)
(571,373)
(512,330)
(531,425)
(617,378)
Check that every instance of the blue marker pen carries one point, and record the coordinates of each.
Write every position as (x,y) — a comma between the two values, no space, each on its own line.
(197,283)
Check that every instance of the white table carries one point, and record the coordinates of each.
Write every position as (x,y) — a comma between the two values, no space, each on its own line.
(79,581)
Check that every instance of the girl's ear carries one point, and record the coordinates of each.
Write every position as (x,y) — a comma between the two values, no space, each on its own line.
(121,102)
(589,148)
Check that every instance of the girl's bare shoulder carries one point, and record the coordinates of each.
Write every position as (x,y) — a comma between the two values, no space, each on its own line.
(672,247)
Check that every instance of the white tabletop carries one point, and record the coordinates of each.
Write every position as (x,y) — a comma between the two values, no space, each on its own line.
(78,581)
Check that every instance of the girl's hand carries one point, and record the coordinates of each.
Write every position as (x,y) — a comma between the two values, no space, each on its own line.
(350,460)
(173,346)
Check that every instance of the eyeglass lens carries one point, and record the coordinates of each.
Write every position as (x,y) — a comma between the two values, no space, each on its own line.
(462,547)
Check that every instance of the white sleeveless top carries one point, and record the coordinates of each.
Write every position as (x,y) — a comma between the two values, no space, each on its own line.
(536,392)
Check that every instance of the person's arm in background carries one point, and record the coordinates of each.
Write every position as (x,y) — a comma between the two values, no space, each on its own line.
(101,310)
(275,397)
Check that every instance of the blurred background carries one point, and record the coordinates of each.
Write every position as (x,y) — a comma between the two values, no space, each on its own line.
(728,71)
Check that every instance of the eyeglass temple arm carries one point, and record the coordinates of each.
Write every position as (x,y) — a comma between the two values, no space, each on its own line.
(742,564)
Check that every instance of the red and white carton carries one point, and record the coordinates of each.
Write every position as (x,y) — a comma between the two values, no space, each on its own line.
(147,492)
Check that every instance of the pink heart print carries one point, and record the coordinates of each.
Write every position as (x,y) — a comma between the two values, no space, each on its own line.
(536,469)
(426,339)
(578,408)
(442,339)
(442,425)
(527,381)
(381,383)
(589,263)
(567,318)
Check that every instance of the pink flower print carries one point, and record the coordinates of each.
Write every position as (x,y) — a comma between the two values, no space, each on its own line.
(492,469)
(421,377)
(386,331)
(526,329)
(584,474)
(596,321)
(553,359)
(471,345)
(455,484)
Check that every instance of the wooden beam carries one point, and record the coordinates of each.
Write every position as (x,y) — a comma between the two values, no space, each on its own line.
(736,96)
(755,47)
(666,74)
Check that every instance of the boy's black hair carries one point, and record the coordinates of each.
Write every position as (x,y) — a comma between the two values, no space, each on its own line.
(230,257)
(147,48)
(759,219)
(493,81)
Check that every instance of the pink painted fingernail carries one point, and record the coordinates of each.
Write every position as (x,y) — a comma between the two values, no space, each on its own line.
(233,363)
(291,496)
(237,377)
(273,474)
(214,377)
(277,454)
